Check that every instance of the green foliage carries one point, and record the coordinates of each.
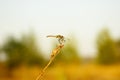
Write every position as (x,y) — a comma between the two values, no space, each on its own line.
(22,51)
(106,48)
(69,53)
(117,42)
(33,54)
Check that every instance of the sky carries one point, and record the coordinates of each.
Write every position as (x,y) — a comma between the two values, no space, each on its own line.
(81,18)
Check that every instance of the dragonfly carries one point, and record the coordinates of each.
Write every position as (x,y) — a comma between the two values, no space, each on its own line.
(61,39)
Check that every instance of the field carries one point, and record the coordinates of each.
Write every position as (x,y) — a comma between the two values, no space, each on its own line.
(65,72)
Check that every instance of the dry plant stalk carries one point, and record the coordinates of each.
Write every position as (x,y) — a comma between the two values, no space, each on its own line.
(53,55)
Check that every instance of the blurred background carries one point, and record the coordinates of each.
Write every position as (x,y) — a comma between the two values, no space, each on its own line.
(91,28)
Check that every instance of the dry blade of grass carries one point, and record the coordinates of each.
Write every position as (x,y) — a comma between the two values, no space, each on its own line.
(53,55)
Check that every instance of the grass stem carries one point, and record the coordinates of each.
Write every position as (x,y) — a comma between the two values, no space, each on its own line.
(53,55)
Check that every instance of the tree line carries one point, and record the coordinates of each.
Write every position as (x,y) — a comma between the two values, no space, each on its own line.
(25,51)
(108,48)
